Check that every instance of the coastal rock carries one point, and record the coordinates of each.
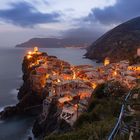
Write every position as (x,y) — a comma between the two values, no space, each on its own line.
(8,112)
(30,102)
(23,90)
(52,123)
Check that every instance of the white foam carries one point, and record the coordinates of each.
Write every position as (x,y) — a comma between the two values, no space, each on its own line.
(29,133)
(20,76)
(14,92)
(1,109)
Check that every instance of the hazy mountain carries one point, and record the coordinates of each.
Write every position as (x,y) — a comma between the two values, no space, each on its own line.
(55,42)
(117,44)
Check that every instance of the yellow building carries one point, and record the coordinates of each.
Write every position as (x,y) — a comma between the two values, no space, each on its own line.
(106,61)
(134,67)
(35,49)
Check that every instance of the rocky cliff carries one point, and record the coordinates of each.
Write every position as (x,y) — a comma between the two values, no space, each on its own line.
(52,124)
(27,97)
(30,104)
(117,44)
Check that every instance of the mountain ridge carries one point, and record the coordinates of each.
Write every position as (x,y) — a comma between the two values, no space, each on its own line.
(56,42)
(119,43)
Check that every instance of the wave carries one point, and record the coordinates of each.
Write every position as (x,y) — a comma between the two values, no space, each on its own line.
(29,134)
(14,92)
(1,109)
(20,76)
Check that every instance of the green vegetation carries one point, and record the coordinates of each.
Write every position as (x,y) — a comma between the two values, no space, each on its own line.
(122,137)
(134,60)
(97,122)
(134,103)
(91,131)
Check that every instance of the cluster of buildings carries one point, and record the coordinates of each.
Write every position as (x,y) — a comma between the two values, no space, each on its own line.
(74,85)
(122,72)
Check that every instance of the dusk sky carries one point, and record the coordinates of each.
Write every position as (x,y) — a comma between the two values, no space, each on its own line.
(21,20)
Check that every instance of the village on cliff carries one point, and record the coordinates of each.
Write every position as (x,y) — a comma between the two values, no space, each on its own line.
(73,85)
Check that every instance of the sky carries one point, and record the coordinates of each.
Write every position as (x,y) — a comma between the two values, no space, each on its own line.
(21,20)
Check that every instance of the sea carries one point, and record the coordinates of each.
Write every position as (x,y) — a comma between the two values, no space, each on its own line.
(11,79)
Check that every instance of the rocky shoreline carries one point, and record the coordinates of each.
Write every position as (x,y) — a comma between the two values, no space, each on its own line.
(24,96)
(30,104)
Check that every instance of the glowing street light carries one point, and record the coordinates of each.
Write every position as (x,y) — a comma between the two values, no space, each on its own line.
(29,56)
(106,61)
(35,49)
(114,73)
(29,52)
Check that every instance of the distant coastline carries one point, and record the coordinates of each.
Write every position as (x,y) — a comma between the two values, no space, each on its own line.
(56,43)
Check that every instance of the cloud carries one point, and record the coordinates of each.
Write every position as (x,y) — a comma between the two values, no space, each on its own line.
(87,32)
(123,10)
(81,33)
(25,15)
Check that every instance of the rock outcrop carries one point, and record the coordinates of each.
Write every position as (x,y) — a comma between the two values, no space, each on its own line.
(52,123)
(118,44)
(30,103)
(27,97)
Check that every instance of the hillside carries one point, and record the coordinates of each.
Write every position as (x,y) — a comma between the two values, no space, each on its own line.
(56,43)
(117,44)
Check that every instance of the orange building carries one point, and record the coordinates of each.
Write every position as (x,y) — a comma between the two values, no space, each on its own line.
(134,67)
(106,61)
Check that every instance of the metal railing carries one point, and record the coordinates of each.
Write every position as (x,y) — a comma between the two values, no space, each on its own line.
(117,126)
